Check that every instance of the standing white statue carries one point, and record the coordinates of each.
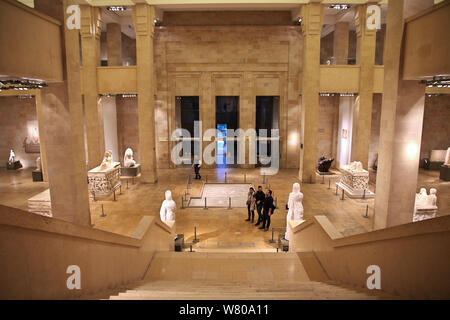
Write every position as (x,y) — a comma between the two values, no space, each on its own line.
(295,206)
(167,212)
(447,158)
(107,161)
(128,160)
(38,164)
(12,156)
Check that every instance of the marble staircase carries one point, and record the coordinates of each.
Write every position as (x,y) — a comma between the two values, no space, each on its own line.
(240,276)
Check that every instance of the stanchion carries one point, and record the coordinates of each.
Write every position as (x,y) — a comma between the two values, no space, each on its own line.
(343,192)
(114,191)
(182,202)
(272,240)
(120,189)
(205,207)
(93,193)
(103,213)
(229,203)
(336,189)
(367,212)
(329,183)
(364,194)
(323,179)
(195,236)
(127,184)
(190,248)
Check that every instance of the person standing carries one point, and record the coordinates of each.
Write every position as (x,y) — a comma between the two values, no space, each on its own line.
(267,211)
(197,164)
(251,204)
(259,197)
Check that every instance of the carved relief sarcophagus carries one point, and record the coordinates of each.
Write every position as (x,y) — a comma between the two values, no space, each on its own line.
(103,182)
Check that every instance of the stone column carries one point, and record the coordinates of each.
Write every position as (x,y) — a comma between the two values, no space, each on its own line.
(42,136)
(143,16)
(362,112)
(312,14)
(400,131)
(340,42)
(114,44)
(247,115)
(90,44)
(66,160)
(207,112)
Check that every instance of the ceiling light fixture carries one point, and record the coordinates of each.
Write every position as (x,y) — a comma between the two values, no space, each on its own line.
(340,6)
(116,8)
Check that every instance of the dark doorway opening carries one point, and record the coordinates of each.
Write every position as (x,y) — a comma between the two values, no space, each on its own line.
(227,117)
(186,113)
(267,117)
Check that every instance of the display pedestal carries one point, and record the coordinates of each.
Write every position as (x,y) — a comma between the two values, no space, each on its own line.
(41,204)
(37,175)
(444,173)
(328,173)
(13,165)
(102,183)
(130,172)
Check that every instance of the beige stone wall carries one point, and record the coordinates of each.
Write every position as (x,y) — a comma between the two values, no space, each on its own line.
(127,126)
(327,127)
(436,127)
(14,115)
(240,60)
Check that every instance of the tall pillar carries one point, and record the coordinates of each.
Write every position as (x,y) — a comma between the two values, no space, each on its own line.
(66,160)
(143,16)
(400,131)
(312,15)
(90,45)
(207,113)
(340,42)
(362,112)
(42,136)
(247,117)
(114,44)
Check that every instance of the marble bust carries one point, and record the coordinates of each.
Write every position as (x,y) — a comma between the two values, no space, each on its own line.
(38,164)
(128,160)
(167,211)
(107,161)
(12,156)
(295,207)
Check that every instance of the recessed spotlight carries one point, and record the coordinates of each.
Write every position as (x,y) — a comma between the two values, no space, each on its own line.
(340,6)
(116,8)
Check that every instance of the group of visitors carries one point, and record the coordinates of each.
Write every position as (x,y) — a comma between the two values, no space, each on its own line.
(264,207)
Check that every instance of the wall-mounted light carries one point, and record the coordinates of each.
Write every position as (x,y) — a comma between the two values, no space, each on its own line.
(156,22)
(298,22)
(347,94)
(116,8)
(340,6)
(129,95)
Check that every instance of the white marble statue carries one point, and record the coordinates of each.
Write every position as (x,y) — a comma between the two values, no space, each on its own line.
(128,160)
(107,161)
(295,206)
(38,164)
(167,212)
(12,156)
(447,158)
(425,206)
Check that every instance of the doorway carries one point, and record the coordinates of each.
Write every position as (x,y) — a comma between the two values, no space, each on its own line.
(227,117)
(186,113)
(267,118)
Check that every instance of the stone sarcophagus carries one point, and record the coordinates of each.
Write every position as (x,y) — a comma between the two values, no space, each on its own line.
(104,181)
(355,181)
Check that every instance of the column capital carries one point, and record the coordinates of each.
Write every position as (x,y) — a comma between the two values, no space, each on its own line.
(361,19)
(312,18)
(143,19)
(91,23)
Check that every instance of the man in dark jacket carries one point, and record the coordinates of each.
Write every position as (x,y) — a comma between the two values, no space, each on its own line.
(267,211)
(259,196)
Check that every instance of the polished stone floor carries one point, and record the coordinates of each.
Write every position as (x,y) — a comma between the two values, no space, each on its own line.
(219,228)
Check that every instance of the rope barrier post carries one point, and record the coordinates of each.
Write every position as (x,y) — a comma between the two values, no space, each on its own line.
(229,203)
(364,194)
(367,212)
(93,193)
(343,192)
(182,202)
(190,248)
(272,240)
(329,183)
(127,184)
(195,235)
(120,189)
(114,191)
(103,212)
(323,179)
(205,206)
(336,189)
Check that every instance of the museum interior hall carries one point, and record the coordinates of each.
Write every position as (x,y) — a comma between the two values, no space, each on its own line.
(214,150)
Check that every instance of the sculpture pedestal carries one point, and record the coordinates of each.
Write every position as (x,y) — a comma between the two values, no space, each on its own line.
(37,176)
(130,172)
(355,184)
(327,173)
(444,173)
(13,165)
(424,213)
(41,204)
(102,183)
